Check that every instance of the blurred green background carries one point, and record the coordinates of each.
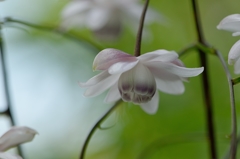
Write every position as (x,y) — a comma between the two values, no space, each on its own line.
(44,69)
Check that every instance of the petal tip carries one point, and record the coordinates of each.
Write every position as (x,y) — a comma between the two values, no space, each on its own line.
(82,84)
(219,27)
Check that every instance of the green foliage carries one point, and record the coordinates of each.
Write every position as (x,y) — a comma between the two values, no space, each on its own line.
(178,130)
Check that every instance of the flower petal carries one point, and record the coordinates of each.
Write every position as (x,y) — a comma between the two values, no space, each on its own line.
(151,107)
(74,8)
(121,67)
(101,86)
(16,136)
(108,57)
(236,34)
(95,79)
(168,82)
(113,94)
(170,86)
(237,67)
(111,31)
(159,55)
(234,53)
(98,18)
(230,23)
(174,69)
(9,156)
(144,82)
(178,62)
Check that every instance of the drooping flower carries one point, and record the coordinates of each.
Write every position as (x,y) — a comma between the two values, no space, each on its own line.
(14,137)
(104,17)
(137,79)
(232,23)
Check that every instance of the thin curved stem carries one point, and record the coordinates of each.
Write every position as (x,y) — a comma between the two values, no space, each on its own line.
(54,30)
(187,49)
(233,147)
(94,128)
(140,30)
(206,84)
(8,111)
(198,46)
(231,82)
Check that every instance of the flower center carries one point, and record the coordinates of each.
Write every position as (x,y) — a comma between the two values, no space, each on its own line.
(137,85)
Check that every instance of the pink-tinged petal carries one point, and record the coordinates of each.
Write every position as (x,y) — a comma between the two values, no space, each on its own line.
(113,94)
(167,82)
(9,156)
(98,18)
(101,86)
(16,136)
(95,79)
(230,23)
(151,107)
(178,62)
(234,53)
(108,57)
(237,67)
(121,67)
(174,69)
(159,55)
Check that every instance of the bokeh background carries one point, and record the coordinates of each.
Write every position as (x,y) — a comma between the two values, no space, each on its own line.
(44,69)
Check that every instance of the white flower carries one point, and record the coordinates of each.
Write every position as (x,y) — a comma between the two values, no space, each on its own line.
(232,23)
(104,17)
(14,137)
(136,79)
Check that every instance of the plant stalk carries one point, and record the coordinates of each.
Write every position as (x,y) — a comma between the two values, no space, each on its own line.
(206,84)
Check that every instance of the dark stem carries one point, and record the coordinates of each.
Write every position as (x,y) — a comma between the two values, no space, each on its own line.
(94,128)
(206,85)
(6,87)
(140,30)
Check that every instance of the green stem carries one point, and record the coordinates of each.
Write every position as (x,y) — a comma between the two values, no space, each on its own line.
(54,30)
(236,80)
(233,147)
(198,46)
(94,128)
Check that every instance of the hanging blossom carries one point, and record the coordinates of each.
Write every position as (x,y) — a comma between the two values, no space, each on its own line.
(232,23)
(137,79)
(105,17)
(14,137)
